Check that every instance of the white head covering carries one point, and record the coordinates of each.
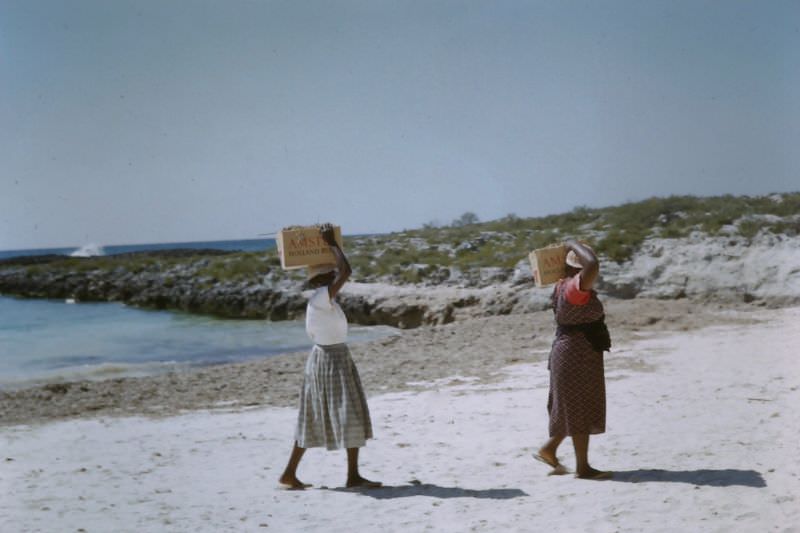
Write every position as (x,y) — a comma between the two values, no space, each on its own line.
(572,258)
(316,270)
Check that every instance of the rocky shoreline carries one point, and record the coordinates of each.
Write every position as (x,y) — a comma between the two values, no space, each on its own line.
(276,295)
(152,285)
(764,270)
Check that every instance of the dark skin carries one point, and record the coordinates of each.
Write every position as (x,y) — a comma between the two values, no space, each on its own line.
(334,280)
(547,453)
(590,267)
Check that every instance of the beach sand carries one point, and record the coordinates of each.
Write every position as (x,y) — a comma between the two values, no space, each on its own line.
(702,434)
(473,347)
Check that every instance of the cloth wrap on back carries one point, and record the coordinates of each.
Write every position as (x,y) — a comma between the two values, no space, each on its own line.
(595,332)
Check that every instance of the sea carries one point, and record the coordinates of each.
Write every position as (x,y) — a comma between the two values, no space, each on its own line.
(45,341)
(89,249)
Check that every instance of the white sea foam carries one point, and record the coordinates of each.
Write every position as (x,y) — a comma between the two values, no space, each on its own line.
(88,250)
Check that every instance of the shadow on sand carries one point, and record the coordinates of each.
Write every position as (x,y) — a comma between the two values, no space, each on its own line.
(434,491)
(710,478)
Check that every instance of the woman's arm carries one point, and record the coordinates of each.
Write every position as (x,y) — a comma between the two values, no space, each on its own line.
(589,263)
(343,269)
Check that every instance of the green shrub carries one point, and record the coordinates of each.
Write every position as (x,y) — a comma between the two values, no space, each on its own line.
(749,228)
(236,267)
(618,245)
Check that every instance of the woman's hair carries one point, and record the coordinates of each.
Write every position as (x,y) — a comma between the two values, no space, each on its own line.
(320,280)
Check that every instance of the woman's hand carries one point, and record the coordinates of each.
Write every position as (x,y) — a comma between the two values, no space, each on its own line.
(326,230)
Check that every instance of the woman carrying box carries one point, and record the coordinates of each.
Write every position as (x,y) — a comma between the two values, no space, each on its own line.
(333,406)
(577,398)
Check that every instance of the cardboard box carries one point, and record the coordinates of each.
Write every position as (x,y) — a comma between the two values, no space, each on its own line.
(302,246)
(548,264)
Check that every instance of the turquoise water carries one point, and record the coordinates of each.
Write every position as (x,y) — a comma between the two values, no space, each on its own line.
(47,340)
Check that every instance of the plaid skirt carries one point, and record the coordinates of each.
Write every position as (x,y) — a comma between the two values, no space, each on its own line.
(333,407)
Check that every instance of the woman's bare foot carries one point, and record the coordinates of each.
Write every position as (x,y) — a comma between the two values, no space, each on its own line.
(547,457)
(292,483)
(591,473)
(551,460)
(362,483)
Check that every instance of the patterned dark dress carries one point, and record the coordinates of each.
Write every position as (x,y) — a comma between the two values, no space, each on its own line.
(577,399)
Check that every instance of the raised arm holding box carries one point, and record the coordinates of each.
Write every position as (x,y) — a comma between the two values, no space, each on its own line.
(582,259)
(343,270)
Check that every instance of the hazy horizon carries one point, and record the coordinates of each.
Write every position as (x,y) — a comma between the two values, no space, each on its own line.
(139,121)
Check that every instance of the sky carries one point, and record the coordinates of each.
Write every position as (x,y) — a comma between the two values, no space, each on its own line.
(133,121)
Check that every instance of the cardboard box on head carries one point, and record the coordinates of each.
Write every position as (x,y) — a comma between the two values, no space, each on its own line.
(302,246)
(548,264)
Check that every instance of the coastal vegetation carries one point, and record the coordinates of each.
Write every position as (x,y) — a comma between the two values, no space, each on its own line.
(412,256)
(466,253)
(616,233)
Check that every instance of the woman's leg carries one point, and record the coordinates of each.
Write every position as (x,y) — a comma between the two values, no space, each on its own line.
(289,477)
(581,443)
(354,479)
(547,453)
(582,468)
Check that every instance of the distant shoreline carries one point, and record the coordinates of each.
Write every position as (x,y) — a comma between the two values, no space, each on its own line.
(244,245)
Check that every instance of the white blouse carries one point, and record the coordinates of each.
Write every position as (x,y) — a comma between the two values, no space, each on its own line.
(325,320)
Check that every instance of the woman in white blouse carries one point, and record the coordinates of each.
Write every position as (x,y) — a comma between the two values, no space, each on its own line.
(333,407)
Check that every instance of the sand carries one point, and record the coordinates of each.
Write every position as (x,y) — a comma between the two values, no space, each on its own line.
(702,434)
(472,347)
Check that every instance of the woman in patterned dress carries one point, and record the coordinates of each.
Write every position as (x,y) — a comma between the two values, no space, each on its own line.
(577,398)
(333,408)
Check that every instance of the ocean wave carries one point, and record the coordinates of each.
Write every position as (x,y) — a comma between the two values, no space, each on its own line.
(88,250)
